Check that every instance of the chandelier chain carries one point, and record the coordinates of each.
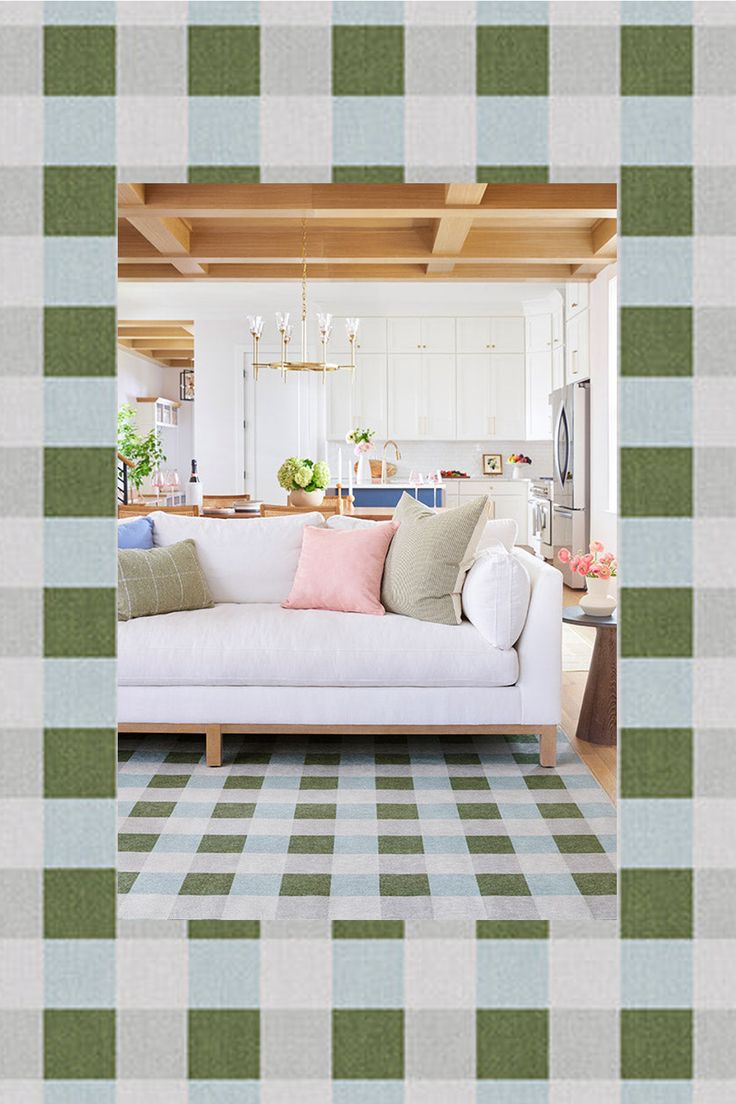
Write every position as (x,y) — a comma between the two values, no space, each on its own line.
(304,270)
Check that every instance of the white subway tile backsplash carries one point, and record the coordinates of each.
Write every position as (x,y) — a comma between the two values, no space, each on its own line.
(427,456)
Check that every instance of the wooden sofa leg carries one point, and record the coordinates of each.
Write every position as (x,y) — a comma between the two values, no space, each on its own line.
(548,746)
(213,745)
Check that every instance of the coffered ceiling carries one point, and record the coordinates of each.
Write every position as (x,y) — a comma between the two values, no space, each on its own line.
(421,232)
(165,342)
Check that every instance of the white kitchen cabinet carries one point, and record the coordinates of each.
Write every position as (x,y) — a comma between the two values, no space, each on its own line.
(430,335)
(507,335)
(490,396)
(576,298)
(509,499)
(539,384)
(474,397)
(421,397)
(538,333)
(473,335)
(370,399)
(558,367)
(558,324)
(577,356)
(362,402)
(371,336)
(508,413)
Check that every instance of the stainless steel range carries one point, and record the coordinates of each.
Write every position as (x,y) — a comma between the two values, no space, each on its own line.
(540,516)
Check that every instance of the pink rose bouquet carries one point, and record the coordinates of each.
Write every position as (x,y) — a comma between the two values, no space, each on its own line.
(593,564)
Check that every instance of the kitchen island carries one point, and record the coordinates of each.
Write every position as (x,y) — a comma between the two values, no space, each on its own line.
(373,495)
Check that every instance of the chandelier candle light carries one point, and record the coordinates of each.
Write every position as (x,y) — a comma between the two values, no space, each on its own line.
(324,321)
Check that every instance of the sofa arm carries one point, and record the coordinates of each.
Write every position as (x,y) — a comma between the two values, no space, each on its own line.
(540,645)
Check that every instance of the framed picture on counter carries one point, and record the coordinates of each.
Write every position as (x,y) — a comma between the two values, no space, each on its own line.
(492,463)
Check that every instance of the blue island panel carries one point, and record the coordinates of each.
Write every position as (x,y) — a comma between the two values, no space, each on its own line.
(389,496)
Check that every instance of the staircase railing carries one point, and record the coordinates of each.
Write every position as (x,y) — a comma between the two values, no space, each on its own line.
(123,482)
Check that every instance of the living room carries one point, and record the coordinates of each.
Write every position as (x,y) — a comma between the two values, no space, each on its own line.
(458,355)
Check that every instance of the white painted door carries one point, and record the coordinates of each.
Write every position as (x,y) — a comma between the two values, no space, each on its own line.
(404,395)
(539,385)
(404,335)
(538,332)
(438,335)
(473,388)
(273,424)
(473,335)
(437,418)
(507,335)
(369,393)
(508,391)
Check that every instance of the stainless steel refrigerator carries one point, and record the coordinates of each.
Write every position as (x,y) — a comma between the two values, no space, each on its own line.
(571,473)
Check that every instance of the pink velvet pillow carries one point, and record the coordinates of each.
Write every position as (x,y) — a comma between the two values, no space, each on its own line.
(341,569)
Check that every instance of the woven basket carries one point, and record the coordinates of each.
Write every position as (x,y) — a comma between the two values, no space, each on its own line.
(376,469)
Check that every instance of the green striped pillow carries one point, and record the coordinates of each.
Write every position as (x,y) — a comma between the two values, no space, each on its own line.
(429,558)
(160,580)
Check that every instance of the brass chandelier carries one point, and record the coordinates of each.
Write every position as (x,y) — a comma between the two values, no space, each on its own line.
(324,321)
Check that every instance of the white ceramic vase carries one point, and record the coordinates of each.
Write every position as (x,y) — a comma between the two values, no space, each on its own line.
(516,471)
(596,601)
(306,498)
(363,474)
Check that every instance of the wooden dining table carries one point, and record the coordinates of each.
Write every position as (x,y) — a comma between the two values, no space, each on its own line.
(367,513)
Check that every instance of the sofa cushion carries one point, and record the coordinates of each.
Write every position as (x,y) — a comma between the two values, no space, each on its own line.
(498,530)
(248,560)
(265,645)
(136,532)
(429,558)
(496,596)
(160,580)
(341,570)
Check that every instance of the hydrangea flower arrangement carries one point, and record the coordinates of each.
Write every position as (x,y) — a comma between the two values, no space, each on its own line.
(296,474)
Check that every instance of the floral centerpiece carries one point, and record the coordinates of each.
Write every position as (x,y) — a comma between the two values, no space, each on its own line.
(362,439)
(305,480)
(597,567)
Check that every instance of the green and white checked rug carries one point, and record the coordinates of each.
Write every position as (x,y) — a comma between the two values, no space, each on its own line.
(422,827)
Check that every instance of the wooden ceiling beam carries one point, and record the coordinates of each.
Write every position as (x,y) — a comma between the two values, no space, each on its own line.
(603,235)
(148,331)
(355,201)
(455,236)
(464,194)
(151,324)
(259,272)
(161,342)
(171,236)
(131,195)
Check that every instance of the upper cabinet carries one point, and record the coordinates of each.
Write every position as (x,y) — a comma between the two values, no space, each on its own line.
(490,396)
(576,298)
(577,358)
(538,333)
(358,402)
(417,335)
(421,396)
(485,335)
(371,335)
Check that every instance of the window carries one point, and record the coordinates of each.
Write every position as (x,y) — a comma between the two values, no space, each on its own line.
(613,395)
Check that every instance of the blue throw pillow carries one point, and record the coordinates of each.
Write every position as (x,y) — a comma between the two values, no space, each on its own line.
(136,533)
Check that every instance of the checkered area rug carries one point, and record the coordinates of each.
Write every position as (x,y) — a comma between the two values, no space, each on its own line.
(361,828)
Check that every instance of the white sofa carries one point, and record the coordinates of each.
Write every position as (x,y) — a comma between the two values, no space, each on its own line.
(247,665)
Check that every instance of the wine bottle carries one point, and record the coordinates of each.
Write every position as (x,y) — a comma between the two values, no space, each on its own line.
(194,488)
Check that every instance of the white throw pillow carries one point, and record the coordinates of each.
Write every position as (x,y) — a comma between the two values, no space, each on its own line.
(344,521)
(248,560)
(496,596)
(504,530)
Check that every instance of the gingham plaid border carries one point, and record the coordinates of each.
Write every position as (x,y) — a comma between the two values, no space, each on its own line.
(638,92)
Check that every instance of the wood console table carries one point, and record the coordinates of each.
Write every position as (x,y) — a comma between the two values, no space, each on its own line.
(597,720)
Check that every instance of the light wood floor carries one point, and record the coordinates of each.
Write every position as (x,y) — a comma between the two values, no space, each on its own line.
(600,760)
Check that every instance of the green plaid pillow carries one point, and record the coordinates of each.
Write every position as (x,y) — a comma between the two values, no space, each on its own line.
(160,580)
(429,558)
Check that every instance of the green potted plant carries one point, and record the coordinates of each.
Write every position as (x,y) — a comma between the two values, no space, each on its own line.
(145,453)
(305,480)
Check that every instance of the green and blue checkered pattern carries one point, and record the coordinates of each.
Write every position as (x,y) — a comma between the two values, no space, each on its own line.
(367,829)
(385,1012)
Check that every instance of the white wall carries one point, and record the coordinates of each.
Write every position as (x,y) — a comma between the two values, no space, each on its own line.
(138,376)
(603,520)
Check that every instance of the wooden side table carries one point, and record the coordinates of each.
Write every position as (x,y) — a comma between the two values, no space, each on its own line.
(597,720)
